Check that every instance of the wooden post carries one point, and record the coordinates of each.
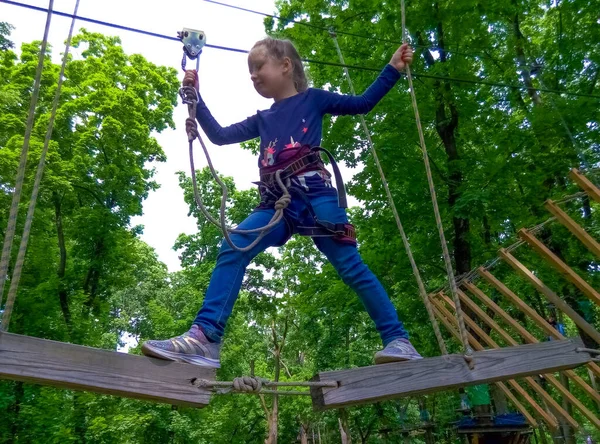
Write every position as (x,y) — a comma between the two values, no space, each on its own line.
(528,337)
(532,383)
(559,265)
(573,227)
(40,361)
(550,295)
(550,420)
(565,393)
(516,300)
(585,184)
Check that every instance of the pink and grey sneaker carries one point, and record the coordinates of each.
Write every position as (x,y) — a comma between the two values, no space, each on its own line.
(398,350)
(191,347)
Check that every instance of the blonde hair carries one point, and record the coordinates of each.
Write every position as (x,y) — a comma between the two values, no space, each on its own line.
(279,50)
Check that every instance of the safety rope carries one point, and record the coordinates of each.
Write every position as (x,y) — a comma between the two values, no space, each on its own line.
(422,291)
(16,277)
(449,270)
(14,209)
(190,97)
(255,385)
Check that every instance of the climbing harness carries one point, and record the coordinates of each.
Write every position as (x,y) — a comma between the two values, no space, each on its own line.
(275,181)
(308,159)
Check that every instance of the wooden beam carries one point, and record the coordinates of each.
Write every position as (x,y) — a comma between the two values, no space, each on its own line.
(528,337)
(585,184)
(548,417)
(559,265)
(399,379)
(550,295)
(500,312)
(573,227)
(532,382)
(550,378)
(40,361)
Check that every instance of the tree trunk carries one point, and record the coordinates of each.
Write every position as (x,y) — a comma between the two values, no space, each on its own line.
(346,438)
(15,409)
(62,266)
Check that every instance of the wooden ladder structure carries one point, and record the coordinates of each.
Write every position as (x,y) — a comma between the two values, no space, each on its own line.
(521,356)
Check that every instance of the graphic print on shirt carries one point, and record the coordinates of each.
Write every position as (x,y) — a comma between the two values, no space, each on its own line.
(292,144)
(269,154)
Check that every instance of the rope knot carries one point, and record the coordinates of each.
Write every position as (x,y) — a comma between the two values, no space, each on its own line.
(248,384)
(283,202)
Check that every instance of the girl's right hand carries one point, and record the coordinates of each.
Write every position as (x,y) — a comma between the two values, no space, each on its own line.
(191,79)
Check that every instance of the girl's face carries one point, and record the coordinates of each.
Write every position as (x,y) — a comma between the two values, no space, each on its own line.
(270,76)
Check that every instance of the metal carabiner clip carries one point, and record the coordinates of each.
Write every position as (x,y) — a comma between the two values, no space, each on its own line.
(193,42)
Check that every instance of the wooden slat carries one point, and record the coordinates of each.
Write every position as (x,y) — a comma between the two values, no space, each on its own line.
(500,312)
(548,417)
(566,394)
(485,318)
(532,382)
(518,302)
(399,379)
(550,295)
(585,184)
(559,265)
(40,361)
(573,227)
(528,337)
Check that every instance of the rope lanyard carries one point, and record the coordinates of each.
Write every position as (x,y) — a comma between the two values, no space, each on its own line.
(422,291)
(449,270)
(16,277)
(14,209)
(190,97)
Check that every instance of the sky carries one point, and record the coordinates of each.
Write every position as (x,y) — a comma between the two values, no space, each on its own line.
(224,83)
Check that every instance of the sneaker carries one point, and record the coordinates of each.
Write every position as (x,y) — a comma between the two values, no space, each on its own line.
(191,347)
(398,350)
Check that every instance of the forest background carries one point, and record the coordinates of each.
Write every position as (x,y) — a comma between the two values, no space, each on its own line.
(497,154)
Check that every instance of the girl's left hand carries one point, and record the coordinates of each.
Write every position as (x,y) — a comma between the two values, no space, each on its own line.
(402,57)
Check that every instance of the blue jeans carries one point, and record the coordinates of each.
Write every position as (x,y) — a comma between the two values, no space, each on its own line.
(226,279)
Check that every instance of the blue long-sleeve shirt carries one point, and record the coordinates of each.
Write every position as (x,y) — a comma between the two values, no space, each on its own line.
(296,121)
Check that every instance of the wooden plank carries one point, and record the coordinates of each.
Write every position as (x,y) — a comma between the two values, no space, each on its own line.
(399,379)
(559,265)
(585,184)
(550,295)
(532,382)
(516,300)
(573,227)
(548,417)
(528,337)
(40,361)
(550,378)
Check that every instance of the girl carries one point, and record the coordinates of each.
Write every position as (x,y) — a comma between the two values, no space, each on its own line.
(287,130)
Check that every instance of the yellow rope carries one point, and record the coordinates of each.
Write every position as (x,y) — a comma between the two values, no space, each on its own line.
(14,209)
(438,219)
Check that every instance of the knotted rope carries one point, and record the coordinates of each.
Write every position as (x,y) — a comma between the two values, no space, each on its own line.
(256,385)
(448,262)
